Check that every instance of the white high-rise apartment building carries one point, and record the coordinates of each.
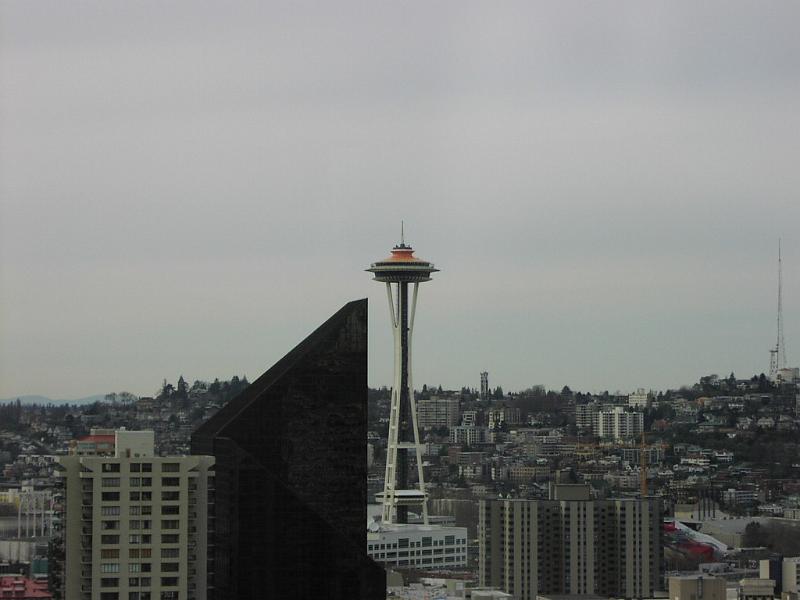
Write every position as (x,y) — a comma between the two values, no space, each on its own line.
(619,424)
(135,525)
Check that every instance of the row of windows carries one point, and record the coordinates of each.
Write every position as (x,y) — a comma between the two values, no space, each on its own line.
(112,582)
(140,481)
(426,541)
(166,538)
(142,467)
(146,567)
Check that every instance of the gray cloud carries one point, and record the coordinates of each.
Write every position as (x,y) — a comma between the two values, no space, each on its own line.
(192,187)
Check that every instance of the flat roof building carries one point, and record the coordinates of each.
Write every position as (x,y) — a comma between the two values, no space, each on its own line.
(134,525)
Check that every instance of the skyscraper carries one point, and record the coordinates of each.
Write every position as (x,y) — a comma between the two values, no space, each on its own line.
(291,474)
(400,269)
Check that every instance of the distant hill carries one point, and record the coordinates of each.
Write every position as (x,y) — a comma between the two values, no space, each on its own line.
(33,399)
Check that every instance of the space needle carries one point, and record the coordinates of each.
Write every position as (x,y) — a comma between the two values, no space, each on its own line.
(401,269)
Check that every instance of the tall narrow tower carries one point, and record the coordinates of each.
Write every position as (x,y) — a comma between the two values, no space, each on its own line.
(777,359)
(484,385)
(400,269)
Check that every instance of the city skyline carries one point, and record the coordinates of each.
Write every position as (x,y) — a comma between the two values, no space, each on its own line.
(189,191)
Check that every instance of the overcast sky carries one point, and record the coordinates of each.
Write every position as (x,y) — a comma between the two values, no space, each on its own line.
(192,187)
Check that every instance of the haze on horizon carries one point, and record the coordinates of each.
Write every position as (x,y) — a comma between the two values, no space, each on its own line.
(192,187)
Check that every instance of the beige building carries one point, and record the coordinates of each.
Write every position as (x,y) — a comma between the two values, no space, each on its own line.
(784,571)
(570,545)
(697,587)
(135,525)
(756,589)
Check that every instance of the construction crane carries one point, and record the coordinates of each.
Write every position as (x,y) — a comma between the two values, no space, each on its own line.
(643,467)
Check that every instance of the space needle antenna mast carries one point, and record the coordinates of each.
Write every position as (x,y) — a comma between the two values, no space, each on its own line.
(778,355)
(397,272)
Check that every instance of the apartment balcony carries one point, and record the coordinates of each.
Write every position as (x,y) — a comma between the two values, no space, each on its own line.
(86,558)
(87,499)
(86,530)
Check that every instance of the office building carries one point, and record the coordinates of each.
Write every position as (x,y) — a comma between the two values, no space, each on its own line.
(423,547)
(291,477)
(570,545)
(135,525)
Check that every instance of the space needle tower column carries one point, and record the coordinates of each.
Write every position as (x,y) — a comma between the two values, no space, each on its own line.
(401,269)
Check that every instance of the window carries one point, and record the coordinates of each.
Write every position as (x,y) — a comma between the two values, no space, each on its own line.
(135,481)
(109,582)
(134,567)
(147,510)
(170,552)
(109,539)
(135,539)
(173,509)
(165,581)
(170,496)
(135,496)
(110,497)
(169,538)
(110,482)
(170,467)
(109,553)
(146,539)
(146,552)
(136,468)
(110,467)
(134,525)
(147,496)
(109,567)
(106,525)
(147,468)
(169,567)
(109,511)
(135,510)
(109,595)
(133,553)
(170,524)
(170,481)
(147,481)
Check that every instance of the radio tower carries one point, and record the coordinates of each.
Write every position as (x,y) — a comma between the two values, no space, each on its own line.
(777,358)
(400,269)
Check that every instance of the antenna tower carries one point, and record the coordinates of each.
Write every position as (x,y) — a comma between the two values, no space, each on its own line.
(777,359)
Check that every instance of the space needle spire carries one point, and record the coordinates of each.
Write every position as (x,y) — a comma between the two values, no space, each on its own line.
(397,271)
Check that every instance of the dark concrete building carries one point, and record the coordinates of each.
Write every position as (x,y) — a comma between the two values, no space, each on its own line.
(290,518)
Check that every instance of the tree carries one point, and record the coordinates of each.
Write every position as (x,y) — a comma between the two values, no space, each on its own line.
(498,393)
(182,390)
(167,390)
